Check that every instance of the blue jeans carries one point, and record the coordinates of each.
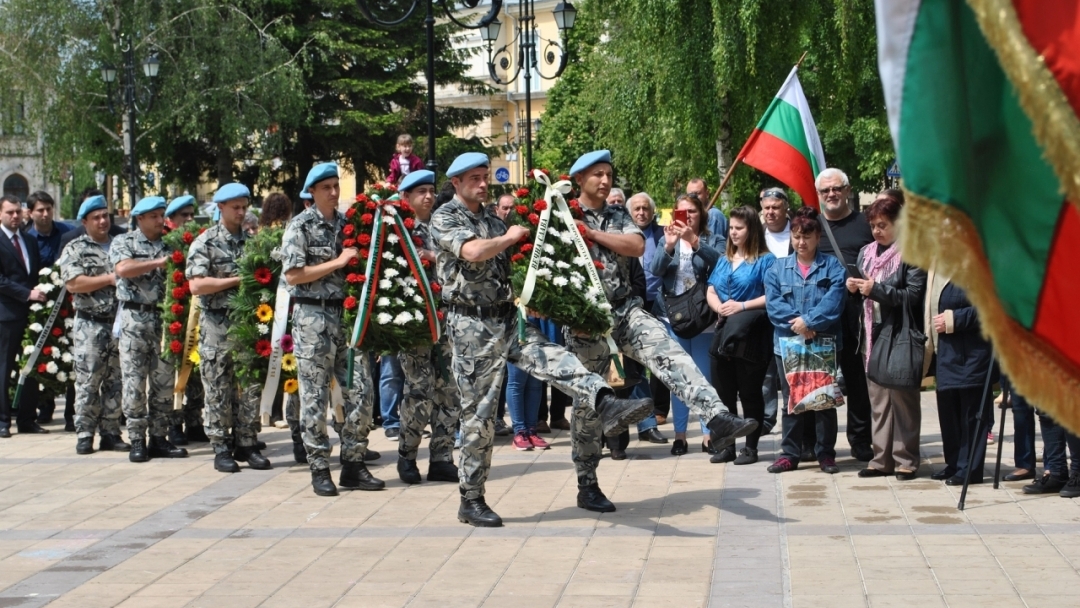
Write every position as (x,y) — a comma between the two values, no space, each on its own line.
(1023,431)
(698,349)
(1055,440)
(391,385)
(769,388)
(640,391)
(522,398)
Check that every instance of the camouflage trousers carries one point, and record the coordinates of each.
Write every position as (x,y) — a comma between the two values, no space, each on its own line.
(229,419)
(481,348)
(321,355)
(97,378)
(192,412)
(430,398)
(291,411)
(141,365)
(644,338)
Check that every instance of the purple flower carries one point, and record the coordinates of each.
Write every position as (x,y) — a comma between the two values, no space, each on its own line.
(286,343)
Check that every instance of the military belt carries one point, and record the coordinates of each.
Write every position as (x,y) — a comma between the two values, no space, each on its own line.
(498,311)
(221,311)
(81,314)
(333,303)
(142,307)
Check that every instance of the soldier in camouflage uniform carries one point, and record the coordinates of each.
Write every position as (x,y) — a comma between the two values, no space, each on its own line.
(638,334)
(138,258)
(88,274)
(313,262)
(474,271)
(180,211)
(212,271)
(430,394)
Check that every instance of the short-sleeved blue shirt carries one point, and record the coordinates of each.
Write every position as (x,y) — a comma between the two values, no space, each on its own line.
(745,282)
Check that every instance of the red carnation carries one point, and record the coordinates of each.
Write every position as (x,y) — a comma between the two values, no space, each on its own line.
(526,248)
(178,277)
(539,206)
(435,287)
(534,219)
(361,198)
(57,332)
(47,351)
(426,263)
(360,278)
(351,211)
(176,327)
(42,368)
(391,187)
(406,207)
(352,277)
(371,205)
(409,223)
(263,348)
(175,346)
(364,239)
(521,209)
(517,257)
(521,193)
(349,229)
(177,309)
(564,177)
(350,303)
(367,218)
(582,228)
(440,314)
(263,276)
(419,242)
(188,237)
(599,265)
(178,257)
(178,293)
(64,312)
(364,253)
(348,243)
(354,262)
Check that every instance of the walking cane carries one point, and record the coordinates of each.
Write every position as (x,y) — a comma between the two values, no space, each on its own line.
(1006,399)
(978,428)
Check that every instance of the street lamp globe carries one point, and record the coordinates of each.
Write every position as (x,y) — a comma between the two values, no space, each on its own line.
(108,73)
(490,32)
(150,66)
(565,15)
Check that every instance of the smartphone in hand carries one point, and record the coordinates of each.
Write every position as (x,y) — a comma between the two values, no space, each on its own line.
(679,215)
(854,272)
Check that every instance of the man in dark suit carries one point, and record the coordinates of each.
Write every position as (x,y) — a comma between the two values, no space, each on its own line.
(19,267)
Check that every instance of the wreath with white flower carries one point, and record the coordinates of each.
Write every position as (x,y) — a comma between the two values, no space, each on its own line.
(53,368)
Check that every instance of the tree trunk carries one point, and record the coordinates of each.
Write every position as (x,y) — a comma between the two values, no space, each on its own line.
(224,166)
(723,152)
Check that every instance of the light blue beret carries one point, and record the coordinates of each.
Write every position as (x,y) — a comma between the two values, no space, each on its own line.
(179,203)
(90,205)
(589,159)
(320,172)
(305,195)
(417,178)
(468,160)
(148,204)
(230,191)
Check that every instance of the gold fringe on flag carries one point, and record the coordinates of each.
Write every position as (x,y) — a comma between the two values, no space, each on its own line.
(1057,127)
(946,239)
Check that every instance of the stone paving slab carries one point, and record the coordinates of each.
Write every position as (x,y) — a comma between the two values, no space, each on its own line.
(98,531)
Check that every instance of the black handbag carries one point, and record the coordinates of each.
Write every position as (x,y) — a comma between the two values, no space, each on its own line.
(689,313)
(897,352)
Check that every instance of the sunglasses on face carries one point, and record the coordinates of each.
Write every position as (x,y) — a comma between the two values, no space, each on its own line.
(834,189)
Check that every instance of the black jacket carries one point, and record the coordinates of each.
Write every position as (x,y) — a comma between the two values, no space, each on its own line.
(908,281)
(15,282)
(963,357)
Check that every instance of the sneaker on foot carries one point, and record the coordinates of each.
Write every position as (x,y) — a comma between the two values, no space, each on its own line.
(538,442)
(521,441)
(747,456)
(1072,488)
(990,438)
(501,430)
(782,465)
(829,466)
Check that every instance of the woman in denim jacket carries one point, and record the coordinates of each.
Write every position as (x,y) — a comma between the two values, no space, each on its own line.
(804,295)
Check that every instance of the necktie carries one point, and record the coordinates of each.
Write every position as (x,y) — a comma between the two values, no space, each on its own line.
(18,249)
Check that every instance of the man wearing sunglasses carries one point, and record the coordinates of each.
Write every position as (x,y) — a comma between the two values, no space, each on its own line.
(852,233)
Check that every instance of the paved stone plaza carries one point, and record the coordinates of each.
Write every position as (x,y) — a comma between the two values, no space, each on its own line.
(91,531)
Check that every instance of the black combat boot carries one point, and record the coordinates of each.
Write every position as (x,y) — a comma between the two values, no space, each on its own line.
(259,445)
(725,428)
(195,432)
(322,484)
(476,512)
(442,471)
(371,454)
(252,456)
(299,453)
(176,435)
(113,443)
(223,460)
(407,470)
(618,414)
(590,498)
(138,451)
(85,445)
(160,447)
(355,476)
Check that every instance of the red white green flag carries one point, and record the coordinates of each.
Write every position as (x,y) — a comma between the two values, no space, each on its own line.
(983,98)
(785,143)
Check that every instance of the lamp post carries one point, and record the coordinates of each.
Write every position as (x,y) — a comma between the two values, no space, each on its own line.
(130,98)
(525,41)
(390,15)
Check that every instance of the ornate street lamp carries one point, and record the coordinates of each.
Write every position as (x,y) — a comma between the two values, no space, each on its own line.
(133,100)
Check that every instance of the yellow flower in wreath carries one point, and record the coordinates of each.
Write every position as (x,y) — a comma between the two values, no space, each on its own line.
(291,385)
(288,362)
(264,313)
(194,356)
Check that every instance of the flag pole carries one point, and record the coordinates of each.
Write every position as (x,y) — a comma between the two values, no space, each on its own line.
(735,163)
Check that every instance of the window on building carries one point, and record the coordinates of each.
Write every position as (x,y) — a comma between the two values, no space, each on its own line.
(17,186)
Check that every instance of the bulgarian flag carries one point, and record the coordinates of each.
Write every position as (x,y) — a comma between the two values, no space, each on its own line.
(785,142)
(983,98)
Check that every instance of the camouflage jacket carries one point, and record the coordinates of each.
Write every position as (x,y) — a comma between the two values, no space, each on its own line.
(84,257)
(213,255)
(310,240)
(472,284)
(616,273)
(148,288)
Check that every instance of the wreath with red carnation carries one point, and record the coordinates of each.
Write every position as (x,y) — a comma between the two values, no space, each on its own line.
(176,305)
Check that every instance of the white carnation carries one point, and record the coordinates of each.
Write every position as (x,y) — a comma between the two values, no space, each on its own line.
(46,287)
(388,256)
(591,294)
(411,280)
(576,282)
(62,340)
(418,315)
(69,323)
(383,318)
(566,238)
(549,249)
(399,302)
(561,265)
(604,306)
(41,387)
(264,297)
(418,299)
(401,261)
(544,272)
(403,318)
(36,328)
(392,238)
(264,328)
(582,261)
(552,232)
(408,291)
(62,377)
(51,367)
(560,281)
(44,272)
(56,279)
(29,348)
(391,273)
(383,302)
(546,262)
(385,284)
(56,354)
(35,307)
(66,358)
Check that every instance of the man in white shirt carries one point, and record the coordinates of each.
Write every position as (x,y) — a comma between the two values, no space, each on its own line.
(774,214)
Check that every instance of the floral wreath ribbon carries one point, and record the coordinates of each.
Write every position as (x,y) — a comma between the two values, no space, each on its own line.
(24,373)
(554,194)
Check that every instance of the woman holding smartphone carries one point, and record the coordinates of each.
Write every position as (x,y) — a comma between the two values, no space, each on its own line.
(685,255)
